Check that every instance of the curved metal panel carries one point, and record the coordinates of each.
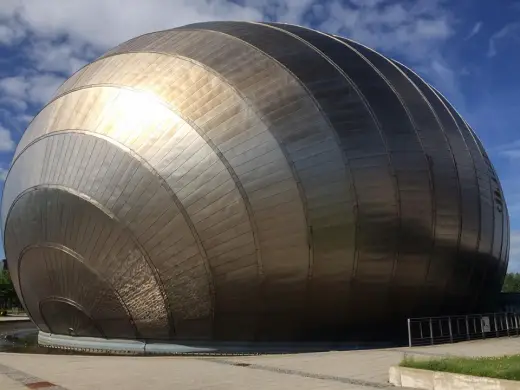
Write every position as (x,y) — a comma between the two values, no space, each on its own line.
(204,176)
(494,211)
(462,277)
(177,261)
(241,181)
(65,317)
(35,212)
(411,169)
(314,153)
(447,217)
(287,266)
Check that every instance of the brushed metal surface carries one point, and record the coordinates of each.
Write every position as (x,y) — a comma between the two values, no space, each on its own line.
(249,181)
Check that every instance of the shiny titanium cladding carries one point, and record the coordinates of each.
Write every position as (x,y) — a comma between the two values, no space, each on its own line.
(248,181)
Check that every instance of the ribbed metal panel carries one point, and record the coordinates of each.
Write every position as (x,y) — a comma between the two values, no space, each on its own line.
(246,181)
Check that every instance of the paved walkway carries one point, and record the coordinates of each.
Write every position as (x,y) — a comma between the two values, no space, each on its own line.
(362,370)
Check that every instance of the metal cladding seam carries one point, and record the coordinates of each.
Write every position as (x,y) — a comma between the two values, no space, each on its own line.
(249,181)
(488,202)
(337,51)
(469,189)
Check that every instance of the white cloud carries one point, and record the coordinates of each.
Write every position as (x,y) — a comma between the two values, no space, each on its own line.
(3,174)
(14,87)
(9,34)
(15,123)
(15,104)
(37,88)
(6,142)
(514,254)
(475,30)
(65,57)
(107,23)
(42,87)
(438,73)
(509,30)
(64,34)
(412,30)
(24,118)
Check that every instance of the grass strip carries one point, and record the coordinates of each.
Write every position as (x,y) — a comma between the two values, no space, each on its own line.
(501,367)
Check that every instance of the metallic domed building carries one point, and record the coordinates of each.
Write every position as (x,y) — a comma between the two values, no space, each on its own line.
(244,181)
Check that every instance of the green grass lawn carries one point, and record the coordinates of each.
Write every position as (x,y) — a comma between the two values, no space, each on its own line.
(503,367)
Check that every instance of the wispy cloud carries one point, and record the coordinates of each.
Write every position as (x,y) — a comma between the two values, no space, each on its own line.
(9,34)
(510,150)
(64,57)
(3,174)
(474,31)
(415,32)
(512,153)
(33,88)
(6,141)
(104,24)
(410,30)
(59,37)
(511,30)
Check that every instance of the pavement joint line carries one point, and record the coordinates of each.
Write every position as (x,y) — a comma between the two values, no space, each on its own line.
(29,381)
(410,352)
(358,382)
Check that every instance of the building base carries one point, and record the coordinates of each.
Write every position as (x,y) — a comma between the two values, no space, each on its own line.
(93,345)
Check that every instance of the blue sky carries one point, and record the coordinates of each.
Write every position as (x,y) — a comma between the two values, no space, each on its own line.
(468,49)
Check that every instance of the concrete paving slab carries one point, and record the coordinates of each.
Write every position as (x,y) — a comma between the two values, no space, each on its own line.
(10,384)
(357,369)
(85,372)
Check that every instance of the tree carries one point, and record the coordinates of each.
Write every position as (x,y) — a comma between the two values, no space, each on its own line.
(8,297)
(511,283)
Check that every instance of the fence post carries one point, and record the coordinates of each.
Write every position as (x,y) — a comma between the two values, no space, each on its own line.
(409,333)
(496,325)
(506,315)
(482,327)
(449,328)
(431,331)
(467,329)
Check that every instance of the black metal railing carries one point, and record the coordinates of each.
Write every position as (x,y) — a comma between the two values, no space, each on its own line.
(451,329)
